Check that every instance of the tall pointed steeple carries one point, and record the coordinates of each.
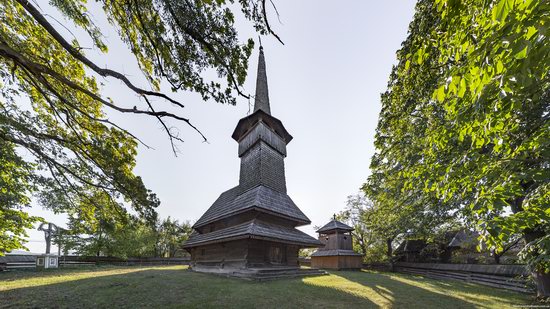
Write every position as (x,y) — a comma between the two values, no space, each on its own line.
(262,94)
(252,225)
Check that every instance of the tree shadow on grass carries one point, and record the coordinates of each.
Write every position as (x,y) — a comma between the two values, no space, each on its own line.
(166,288)
(176,287)
(415,291)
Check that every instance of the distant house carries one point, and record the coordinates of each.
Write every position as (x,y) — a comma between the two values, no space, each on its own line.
(409,250)
(455,247)
(464,239)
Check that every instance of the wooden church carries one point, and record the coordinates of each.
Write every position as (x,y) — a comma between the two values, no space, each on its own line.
(250,230)
(337,252)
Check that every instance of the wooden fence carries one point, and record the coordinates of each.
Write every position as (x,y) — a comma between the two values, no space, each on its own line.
(510,277)
(29,261)
(17,262)
(105,260)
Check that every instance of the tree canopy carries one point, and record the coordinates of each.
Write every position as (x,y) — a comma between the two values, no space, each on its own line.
(464,129)
(57,140)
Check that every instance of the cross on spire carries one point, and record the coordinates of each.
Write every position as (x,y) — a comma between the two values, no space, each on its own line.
(262,94)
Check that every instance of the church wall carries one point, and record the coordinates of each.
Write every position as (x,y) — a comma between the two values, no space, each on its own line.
(292,255)
(231,253)
(259,253)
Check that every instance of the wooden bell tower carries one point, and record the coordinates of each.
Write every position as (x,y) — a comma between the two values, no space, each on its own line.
(338,250)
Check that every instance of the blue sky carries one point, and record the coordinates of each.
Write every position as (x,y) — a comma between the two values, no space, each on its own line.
(324,84)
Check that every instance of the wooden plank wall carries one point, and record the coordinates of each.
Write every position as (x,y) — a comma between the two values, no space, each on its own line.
(229,254)
(337,262)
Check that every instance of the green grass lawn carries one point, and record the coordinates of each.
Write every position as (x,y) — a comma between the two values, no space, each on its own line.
(175,286)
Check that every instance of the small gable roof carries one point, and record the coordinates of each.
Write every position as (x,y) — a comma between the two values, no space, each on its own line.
(335,225)
(333,252)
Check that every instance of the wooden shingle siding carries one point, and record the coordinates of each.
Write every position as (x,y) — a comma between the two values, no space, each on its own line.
(262,165)
(261,132)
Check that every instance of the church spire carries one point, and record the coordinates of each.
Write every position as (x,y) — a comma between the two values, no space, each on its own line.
(262,95)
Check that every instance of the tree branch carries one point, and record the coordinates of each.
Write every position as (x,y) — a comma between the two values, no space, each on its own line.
(79,56)
(38,69)
(267,22)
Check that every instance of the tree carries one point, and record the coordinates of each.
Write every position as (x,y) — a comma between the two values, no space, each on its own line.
(52,108)
(464,126)
(15,184)
(367,240)
(356,207)
(170,235)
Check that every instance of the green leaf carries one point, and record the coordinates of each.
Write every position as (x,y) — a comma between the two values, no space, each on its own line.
(440,93)
(462,88)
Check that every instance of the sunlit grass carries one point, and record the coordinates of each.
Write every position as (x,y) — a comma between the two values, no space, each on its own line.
(175,286)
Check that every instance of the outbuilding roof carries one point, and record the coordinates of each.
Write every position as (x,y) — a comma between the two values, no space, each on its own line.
(339,252)
(464,239)
(255,229)
(335,225)
(261,198)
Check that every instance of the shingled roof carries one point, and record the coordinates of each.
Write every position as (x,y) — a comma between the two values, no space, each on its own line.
(335,225)
(261,198)
(246,123)
(255,229)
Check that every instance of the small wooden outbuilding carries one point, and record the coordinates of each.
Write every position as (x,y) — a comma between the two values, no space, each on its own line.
(338,250)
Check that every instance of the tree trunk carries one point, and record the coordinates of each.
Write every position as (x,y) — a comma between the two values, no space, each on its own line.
(542,280)
(543,284)
(361,240)
(390,252)
(496,256)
